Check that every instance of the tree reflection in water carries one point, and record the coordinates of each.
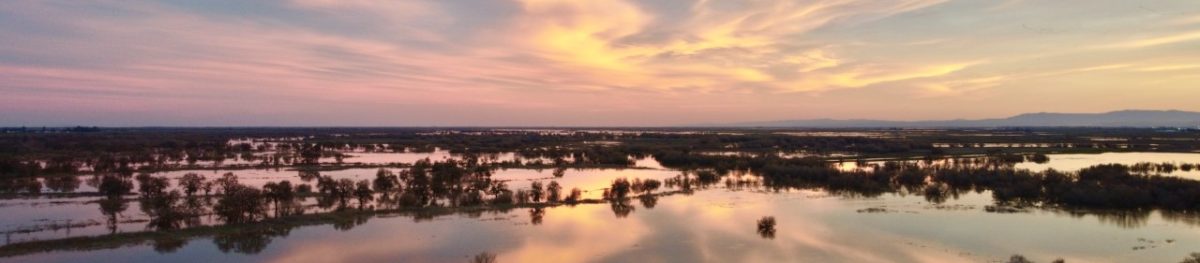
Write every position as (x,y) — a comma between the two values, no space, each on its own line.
(649,201)
(112,208)
(168,244)
(63,184)
(536,214)
(428,189)
(345,223)
(249,240)
(621,207)
(484,257)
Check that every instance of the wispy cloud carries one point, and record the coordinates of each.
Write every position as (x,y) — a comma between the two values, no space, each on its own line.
(1157,41)
(561,61)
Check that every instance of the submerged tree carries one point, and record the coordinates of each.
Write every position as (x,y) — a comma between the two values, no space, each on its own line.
(385,181)
(165,212)
(151,186)
(620,189)
(114,187)
(553,192)
(766,227)
(279,192)
(1018,259)
(63,184)
(227,181)
(241,204)
(574,197)
(363,192)
(208,187)
(112,208)
(536,192)
(191,183)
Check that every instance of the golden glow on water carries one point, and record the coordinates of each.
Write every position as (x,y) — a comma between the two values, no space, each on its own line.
(718,225)
(709,224)
(578,233)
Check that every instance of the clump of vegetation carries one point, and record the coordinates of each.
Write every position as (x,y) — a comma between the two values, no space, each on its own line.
(1039,158)
(241,204)
(191,183)
(553,192)
(620,189)
(114,187)
(385,181)
(1022,259)
(766,227)
(1193,258)
(152,187)
(574,196)
(536,192)
(1018,259)
(363,192)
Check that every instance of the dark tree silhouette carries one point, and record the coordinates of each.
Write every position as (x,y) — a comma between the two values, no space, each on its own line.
(241,204)
(1193,258)
(151,186)
(766,227)
(1018,259)
(553,192)
(63,184)
(536,192)
(385,181)
(114,187)
(191,183)
(619,190)
(363,192)
(574,196)
(112,208)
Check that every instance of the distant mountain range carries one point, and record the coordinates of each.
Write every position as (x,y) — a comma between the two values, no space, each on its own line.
(1125,118)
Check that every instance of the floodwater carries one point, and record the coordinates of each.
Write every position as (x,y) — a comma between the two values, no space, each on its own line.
(1073,162)
(717,224)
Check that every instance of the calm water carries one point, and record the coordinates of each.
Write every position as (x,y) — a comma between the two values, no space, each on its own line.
(716,224)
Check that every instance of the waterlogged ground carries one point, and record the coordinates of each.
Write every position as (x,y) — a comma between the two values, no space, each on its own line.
(41,218)
(715,224)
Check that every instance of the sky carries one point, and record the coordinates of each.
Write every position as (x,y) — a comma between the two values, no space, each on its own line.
(586,63)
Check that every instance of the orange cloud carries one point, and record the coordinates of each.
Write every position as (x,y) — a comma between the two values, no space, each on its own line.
(473,60)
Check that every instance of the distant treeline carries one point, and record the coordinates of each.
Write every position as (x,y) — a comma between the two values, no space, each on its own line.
(154,149)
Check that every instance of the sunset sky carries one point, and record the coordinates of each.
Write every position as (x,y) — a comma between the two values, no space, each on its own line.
(602,62)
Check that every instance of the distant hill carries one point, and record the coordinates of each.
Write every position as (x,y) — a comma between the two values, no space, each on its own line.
(1125,118)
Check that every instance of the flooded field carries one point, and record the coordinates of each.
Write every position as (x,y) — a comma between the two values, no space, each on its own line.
(714,223)
(651,131)
(710,225)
